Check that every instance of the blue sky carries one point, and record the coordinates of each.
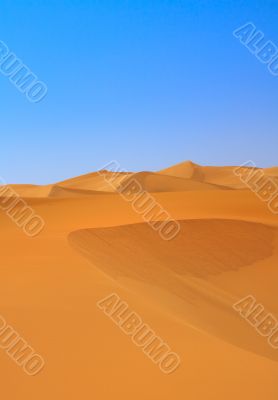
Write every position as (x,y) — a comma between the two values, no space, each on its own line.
(149,83)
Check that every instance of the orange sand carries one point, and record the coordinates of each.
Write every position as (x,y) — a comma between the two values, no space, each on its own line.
(94,244)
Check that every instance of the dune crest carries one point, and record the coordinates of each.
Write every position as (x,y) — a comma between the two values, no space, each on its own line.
(95,243)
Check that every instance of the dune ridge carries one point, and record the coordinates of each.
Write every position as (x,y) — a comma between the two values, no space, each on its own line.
(94,244)
(185,176)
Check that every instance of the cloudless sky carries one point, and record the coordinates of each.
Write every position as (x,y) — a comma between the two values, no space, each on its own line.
(149,83)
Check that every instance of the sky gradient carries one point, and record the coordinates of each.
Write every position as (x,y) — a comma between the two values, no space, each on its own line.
(149,83)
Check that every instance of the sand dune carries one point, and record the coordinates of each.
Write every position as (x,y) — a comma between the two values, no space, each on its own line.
(64,192)
(94,243)
(32,190)
(152,182)
(222,176)
(186,176)
(94,181)
(136,254)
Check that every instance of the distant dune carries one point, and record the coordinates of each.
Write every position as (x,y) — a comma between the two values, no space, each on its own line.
(152,182)
(223,176)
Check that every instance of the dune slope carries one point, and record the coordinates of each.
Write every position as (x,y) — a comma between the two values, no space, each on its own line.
(178,270)
(94,243)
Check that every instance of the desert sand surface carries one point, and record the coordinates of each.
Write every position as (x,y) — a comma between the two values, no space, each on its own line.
(94,244)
